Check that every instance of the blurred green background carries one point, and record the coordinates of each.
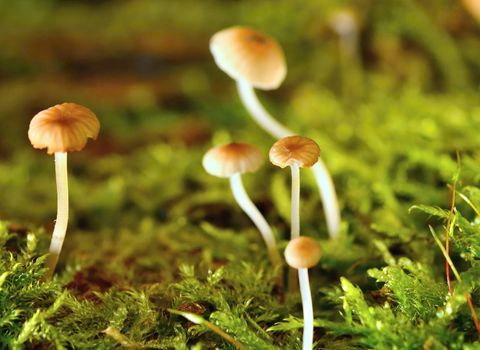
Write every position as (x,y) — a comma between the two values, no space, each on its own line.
(402,96)
(138,62)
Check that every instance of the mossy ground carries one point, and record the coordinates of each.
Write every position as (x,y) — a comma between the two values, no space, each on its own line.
(150,232)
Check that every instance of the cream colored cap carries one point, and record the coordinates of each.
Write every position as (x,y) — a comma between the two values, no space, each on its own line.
(344,21)
(245,54)
(294,149)
(233,158)
(472,6)
(302,252)
(63,128)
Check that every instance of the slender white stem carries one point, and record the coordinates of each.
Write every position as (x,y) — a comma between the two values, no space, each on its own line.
(277,130)
(348,43)
(254,214)
(346,28)
(61,222)
(307,309)
(295,208)
(294,220)
(329,198)
(258,112)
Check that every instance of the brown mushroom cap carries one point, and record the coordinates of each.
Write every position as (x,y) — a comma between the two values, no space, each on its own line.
(302,252)
(245,54)
(64,127)
(294,149)
(233,158)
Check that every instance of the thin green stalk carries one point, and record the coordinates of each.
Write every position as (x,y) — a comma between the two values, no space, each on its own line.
(444,252)
(201,321)
(469,202)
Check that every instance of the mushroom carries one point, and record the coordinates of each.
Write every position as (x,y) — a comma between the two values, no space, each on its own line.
(232,160)
(256,60)
(303,253)
(60,129)
(296,152)
(253,60)
(345,25)
(473,7)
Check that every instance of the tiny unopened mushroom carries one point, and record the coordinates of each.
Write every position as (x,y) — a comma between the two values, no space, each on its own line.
(345,25)
(60,129)
(256,60)
(231,161)
(303,253)
(296,152)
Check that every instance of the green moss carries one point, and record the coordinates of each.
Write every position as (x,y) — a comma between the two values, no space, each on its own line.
(154,242)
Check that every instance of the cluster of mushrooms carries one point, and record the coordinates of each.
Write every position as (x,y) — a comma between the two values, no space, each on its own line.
(234,159)
(253,60)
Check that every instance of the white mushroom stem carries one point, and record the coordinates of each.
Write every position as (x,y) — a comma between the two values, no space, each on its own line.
(328,195)
(258,112)
(307,308)
(294,220)
(61,222)
(348,43)
(254,214)
(295,201)
(347,31)
(277,130)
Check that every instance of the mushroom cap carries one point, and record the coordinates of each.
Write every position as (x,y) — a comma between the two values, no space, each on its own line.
(472,6)
(344,21)
(64,127)
(245,54)
(302,252)
(294,149)
(232,158)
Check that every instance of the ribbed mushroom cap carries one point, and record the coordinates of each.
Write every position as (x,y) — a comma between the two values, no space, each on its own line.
(63,128)
(245,54)
(294,149)
(302,252)
(233,158)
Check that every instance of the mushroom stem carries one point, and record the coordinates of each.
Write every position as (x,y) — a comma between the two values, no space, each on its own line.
(295,202)
(62,213)
(307,308)
(254,214)
(348,41)
(277,130)
(328,195)
(258,112)
(294,221)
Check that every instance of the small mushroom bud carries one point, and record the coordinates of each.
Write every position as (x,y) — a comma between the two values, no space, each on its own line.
(232,160)
(345,24)
(303,253)
(60,129)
